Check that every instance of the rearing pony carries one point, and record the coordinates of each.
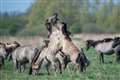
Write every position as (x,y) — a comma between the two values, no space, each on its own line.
(60,41)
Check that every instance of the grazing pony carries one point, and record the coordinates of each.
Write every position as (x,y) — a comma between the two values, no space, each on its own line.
(59,41)
(103,47)
(10,47)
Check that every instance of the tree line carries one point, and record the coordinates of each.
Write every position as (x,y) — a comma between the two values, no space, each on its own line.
(81,16)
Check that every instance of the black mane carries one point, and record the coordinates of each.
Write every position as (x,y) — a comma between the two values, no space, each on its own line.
(65,31)
(94,43)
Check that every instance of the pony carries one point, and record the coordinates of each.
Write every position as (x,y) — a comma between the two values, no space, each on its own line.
(59,42)
(23,55)
(61,59)
(103,47)
(53,20)
(10,47)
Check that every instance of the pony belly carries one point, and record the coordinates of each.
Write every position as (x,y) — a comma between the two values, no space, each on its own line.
(105,50)
(110,52)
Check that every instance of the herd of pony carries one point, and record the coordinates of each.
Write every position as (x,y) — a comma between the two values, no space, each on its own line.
(57,51)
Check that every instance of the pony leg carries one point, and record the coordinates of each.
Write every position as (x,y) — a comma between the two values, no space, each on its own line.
(9,57)
(66,61)
(24,67)
(59,65)
(101,57)
(19,66)
(118,57)
(15,64)
(47,68)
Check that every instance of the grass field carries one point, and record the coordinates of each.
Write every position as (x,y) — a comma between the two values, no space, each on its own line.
(96,71)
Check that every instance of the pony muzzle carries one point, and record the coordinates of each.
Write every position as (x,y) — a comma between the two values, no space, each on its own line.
(33,70)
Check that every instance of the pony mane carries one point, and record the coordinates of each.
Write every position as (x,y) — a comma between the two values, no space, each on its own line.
(94,43)
(65,31)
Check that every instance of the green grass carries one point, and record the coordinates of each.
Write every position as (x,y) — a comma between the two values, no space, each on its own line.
(96,71)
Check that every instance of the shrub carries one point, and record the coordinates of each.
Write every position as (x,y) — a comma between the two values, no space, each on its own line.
(91,28)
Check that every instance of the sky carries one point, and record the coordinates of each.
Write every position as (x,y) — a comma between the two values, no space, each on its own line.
(19,5)
(15,5)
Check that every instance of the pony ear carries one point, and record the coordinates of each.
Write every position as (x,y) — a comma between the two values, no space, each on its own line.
(55,15)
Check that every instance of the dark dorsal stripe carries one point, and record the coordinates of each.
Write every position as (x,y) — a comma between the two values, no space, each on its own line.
(107,39)
(94,43)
